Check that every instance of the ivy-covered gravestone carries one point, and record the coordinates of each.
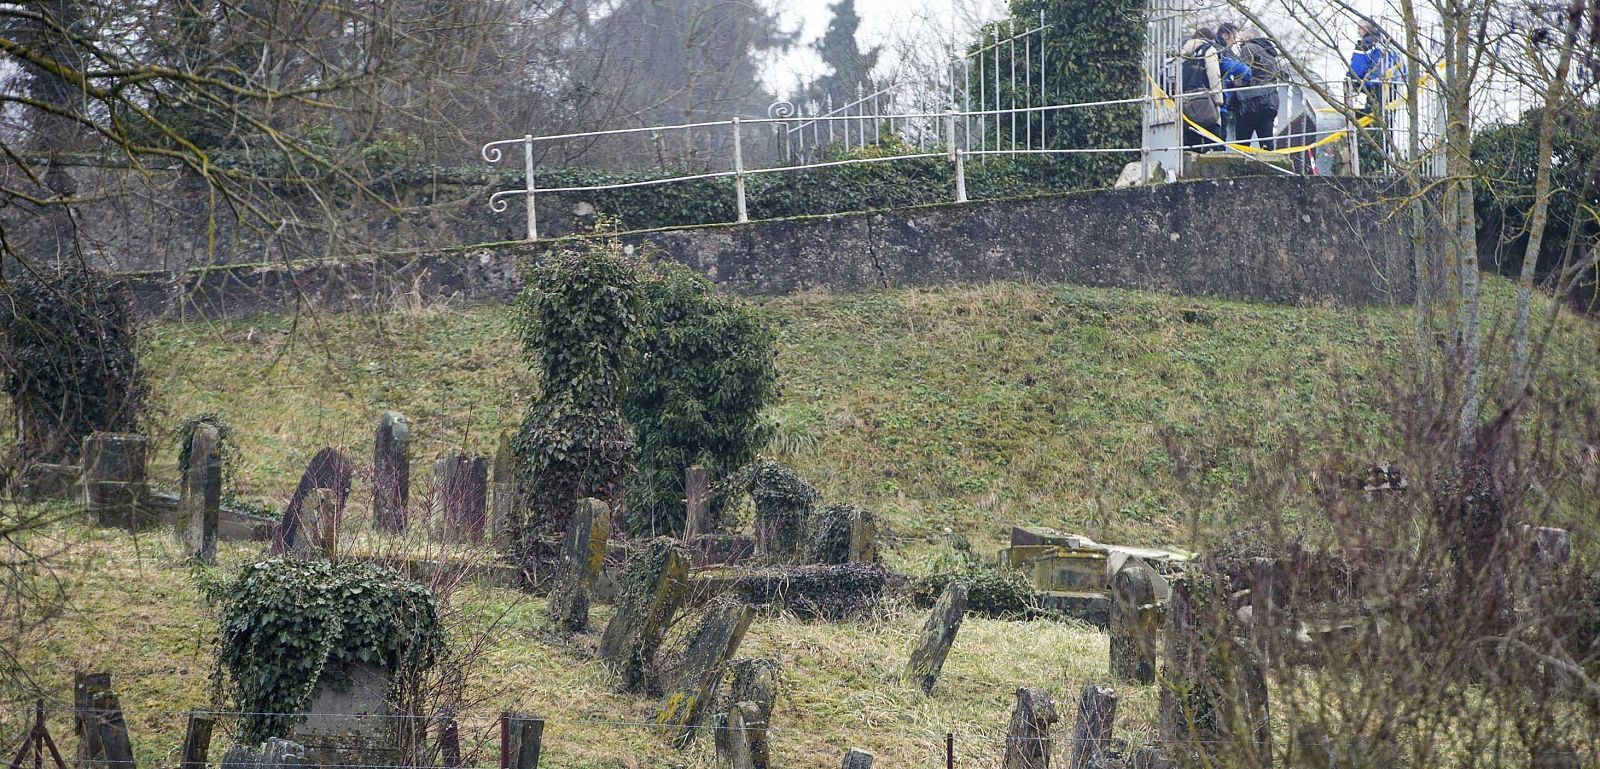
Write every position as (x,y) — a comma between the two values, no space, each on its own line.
(783,502)
(583,555)
(652,590)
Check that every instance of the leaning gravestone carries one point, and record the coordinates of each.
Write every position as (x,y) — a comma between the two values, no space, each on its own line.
(503,515)
(103,741)
(391,472)
(1091,735)
(113,479)
(1135,631)
(330,470)
(938,633)
(200,495)
(753,692)
(653,587)
(583,554)
(461,488)
(704,660)
(1028,739)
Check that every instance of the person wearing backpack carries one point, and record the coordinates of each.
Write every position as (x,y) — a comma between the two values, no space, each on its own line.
(1203,70)
(1258,106)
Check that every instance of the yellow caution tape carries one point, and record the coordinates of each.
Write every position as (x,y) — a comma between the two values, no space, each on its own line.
(1163,96)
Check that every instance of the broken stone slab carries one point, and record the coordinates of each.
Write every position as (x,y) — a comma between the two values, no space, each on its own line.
(1028,739)
(460,495)
(1135,629)
(391,472)
(697,503)
(753,683)
(504,505)
(328,469)
(275,753)
(1091,735)
(705,658)
(856,758)
(200,495)
(652,590)
(938,633)
(112,481)
(583,554)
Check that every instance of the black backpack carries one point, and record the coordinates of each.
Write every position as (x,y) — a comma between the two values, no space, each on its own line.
(1261,56)
(1194,70)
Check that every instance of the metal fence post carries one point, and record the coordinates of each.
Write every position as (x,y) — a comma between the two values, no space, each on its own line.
(527,171)
(955,157)
(738,172)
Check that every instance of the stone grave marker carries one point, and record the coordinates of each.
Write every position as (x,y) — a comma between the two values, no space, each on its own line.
(938,633)
(317,530)
(329,470)
(697,503)
(754,689)
(200,495)
(706,657)
(350,723)
(1213,687)
(583,554)
(1028,738)
(275,753)
(503,490)
(113,479)
(391,472)
(103,741)
(460,495)
(1135,629)
(743,721)
(856,758)
(1091,735)
(653,587)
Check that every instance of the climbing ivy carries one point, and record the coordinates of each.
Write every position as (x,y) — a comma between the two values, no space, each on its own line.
(697,380)
(287,625)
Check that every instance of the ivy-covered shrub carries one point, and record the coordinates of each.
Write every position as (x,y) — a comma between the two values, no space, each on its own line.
(67,343)
(697,380)
(577,315)
(287,625)
(991,591)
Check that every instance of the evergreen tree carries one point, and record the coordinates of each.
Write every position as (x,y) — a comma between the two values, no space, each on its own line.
(849,67)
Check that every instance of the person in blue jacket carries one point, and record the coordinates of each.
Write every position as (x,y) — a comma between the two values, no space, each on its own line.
(1234,72)
(1374,66)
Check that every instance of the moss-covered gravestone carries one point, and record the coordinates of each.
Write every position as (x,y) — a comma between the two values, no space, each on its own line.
(938,633)
(744,713)
(1028,739)
(503,500)
(652,590)
(783,502)
(841,534)
(1135,623)
(583,553)
(200,494)
(705,658)
(1213,687)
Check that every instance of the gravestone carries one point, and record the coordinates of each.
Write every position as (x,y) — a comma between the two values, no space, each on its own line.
(1213,687)
(1552,548)
(938,633)
(653,587)
(753,688)
(317,530)
(1091,735)
(583,553)
(275,753)
(856,758)
(863,537)
(391,472)
(784,503)
(841,534)
(706,657)
(350,722)
(697,503)
(200,495)
(460,495)
(1135,630)
(1028,739)
(112,479)
(103,741)
(503,491)
(328,469)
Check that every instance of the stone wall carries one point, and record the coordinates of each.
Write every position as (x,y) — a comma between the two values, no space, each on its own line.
(1282,240)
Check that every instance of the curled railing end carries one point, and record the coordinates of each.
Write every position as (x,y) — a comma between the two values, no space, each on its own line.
(780,110)
(492,153)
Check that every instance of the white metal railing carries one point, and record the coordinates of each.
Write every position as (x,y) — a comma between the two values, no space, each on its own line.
(952,150)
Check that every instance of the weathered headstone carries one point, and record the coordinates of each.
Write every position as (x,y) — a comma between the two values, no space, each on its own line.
(1028,739)
(841,534)
(103,741)
(200,495)
(460,489)
(1097,717)
(113,478)
(1552,547)
(503,491)
(583,553)
(754,688)
(1213,687)
(317,531)
(704,660)
(197,740)
(856,758)
(1135,632)
(697,502)
(275,753)
(938,633)
(351,723)
(863,537)
(783,503)
(328,470)
(652,589)
(524,736)
(391,472)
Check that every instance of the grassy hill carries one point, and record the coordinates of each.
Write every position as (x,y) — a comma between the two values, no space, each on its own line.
(956,411)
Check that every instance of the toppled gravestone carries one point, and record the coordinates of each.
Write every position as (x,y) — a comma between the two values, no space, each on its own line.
(328,469)
(460,495)
(200,494)
(843,591)
(113,479)
(744,711)
(1135,624)
(391,472)
(938,633)
(1028,739)
(652,589)
(841,534)
(275,753)
(705,658)
(583,553)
